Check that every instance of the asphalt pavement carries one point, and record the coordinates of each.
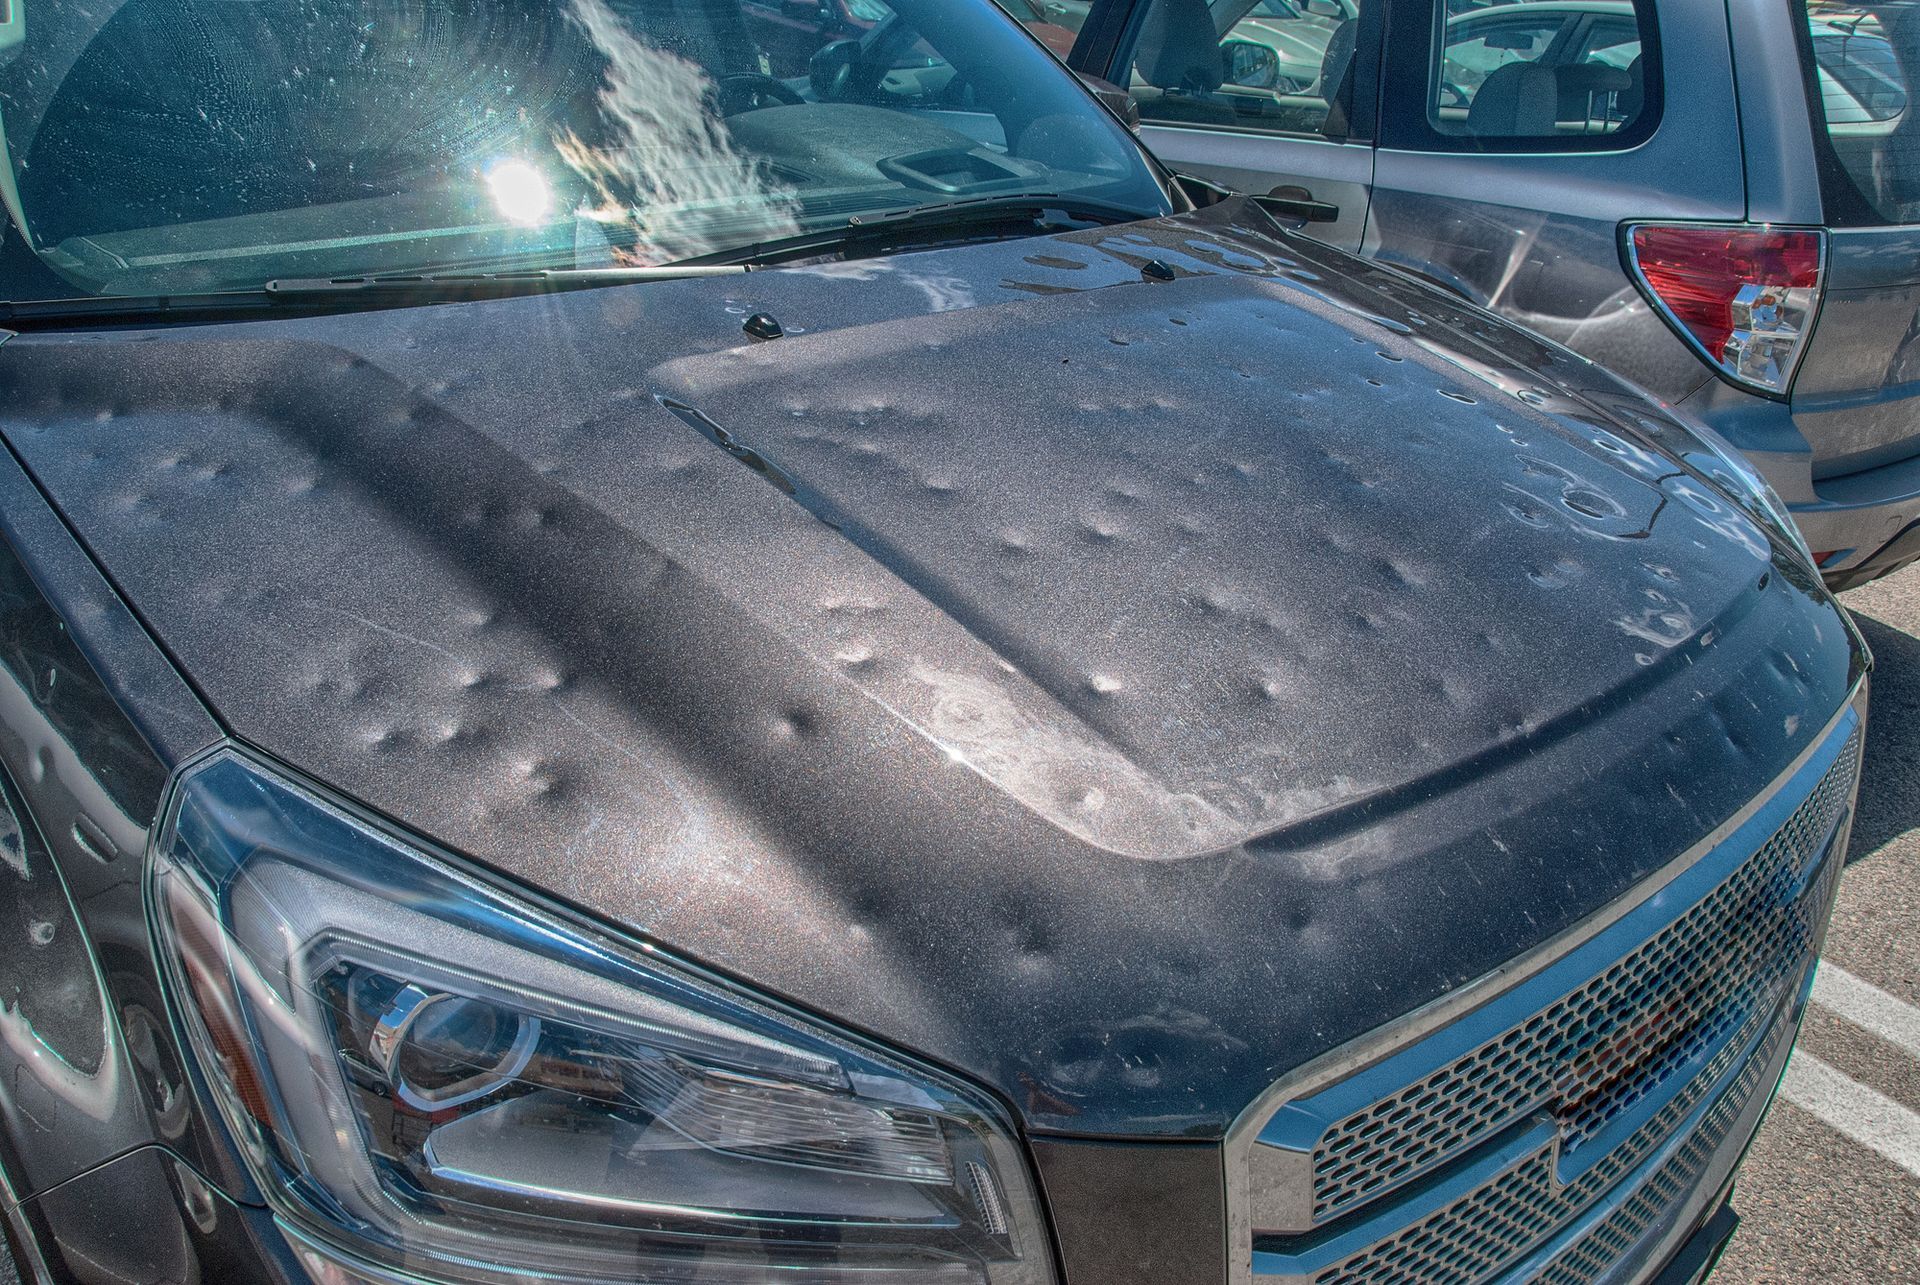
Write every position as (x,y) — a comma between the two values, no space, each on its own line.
(1831,1190)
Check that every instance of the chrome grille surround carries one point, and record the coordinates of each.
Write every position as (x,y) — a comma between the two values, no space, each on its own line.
(1554,1129)
(1609,1043)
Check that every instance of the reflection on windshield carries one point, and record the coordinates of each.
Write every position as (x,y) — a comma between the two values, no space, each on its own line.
(177,146)
(669,165)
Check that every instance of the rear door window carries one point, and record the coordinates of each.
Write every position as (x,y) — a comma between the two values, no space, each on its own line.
(1861,56)
(1539,75)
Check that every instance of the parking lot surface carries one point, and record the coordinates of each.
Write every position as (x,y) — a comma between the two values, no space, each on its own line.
(1831,1190)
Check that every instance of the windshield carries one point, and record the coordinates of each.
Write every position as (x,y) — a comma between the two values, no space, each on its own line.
(186,146)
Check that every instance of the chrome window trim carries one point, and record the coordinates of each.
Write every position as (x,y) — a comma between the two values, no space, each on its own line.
(1242,1138)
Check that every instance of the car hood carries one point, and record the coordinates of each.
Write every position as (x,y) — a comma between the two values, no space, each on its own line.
(1119,691)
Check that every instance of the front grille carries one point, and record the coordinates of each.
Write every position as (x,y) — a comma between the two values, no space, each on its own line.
(1602,1048)
(1476,1236)
(1563,1140)
(1494,1224)
(1622,1231)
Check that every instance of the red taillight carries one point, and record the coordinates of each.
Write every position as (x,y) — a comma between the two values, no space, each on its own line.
(1745,295)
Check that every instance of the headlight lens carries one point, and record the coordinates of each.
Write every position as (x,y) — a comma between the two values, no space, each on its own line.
(429,1077)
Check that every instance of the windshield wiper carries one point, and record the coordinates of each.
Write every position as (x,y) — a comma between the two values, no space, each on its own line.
(908,223)
(334,294)
(492,284)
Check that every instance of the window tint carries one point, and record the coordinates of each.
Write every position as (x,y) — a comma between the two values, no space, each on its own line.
(1272,66)
(1550,72)
(1476,50)
(1861,56)
(1612,41)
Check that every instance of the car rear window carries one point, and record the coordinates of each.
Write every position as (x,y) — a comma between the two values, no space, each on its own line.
(1525,76)
(1859,56)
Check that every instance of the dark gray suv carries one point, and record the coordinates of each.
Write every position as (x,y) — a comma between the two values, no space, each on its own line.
(1716,200)
(616,667)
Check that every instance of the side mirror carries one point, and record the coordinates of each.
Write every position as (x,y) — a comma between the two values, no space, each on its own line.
(1325,9)
(1114,99)
(1250,66)
(830,70)
(1202,192)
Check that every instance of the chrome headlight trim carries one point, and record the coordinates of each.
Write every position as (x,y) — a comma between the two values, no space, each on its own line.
(293,928)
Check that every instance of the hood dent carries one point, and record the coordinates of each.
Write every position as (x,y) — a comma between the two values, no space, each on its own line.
(1121,692)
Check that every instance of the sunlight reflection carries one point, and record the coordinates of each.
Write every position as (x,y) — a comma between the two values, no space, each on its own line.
(520,192)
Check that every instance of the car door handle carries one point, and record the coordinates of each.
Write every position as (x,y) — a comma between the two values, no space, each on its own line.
(1297,203)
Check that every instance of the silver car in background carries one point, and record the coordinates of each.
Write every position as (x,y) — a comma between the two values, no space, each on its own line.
(1720,201)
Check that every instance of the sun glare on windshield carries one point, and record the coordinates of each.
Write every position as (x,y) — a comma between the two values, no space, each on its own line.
(178,147)
(520,192)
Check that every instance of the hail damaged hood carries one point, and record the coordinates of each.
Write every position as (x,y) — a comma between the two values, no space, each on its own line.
(1120,691)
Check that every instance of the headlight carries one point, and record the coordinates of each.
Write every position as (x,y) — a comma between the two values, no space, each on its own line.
(431,1078)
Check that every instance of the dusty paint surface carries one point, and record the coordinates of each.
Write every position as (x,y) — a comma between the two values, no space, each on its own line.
(1121,691)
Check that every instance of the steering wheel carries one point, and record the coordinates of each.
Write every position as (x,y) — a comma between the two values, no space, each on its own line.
(750,91)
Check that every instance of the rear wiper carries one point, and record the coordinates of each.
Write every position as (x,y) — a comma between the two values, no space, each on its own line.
(908,222)
(332,294)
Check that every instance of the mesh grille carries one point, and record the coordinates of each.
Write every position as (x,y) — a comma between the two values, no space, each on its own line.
(1478,1235)
(1711,981)
(1453,1246)
(1621,1231)
(1599,1050)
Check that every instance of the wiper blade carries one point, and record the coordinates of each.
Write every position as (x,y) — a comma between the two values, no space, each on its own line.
(110,308)
(323,294)
(904,223)
(490,284)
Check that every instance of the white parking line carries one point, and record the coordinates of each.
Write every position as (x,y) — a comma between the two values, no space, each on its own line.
(1871,1119)
(1867,1007)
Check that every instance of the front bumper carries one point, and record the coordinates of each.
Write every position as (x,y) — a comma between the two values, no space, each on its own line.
(1126,1213)
(147,1218)
(1648,1206)
(1701,1254)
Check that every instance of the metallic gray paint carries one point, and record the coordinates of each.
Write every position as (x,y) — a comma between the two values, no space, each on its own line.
(147,1217)
(87,1066)
(1340,173)
(1855,394)
(1556,272)
(1535,237)
(1783,181)
(1138,694)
